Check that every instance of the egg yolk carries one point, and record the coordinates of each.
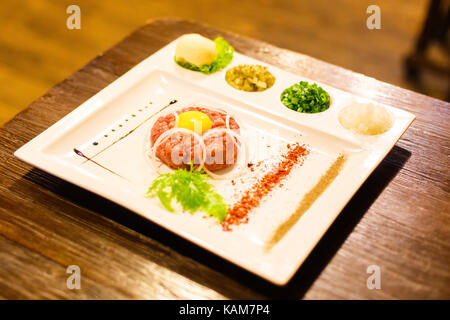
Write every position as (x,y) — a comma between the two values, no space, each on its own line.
(195,121)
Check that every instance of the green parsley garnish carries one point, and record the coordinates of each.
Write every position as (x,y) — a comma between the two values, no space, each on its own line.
(305,97)
(191,190)
(224,57)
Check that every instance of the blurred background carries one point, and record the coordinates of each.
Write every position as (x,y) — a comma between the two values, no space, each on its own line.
(37,50)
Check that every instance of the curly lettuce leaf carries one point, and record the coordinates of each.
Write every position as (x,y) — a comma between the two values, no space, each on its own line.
(224,57)
(191,190)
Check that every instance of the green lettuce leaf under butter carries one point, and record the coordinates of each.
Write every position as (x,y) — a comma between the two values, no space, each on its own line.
(224,57)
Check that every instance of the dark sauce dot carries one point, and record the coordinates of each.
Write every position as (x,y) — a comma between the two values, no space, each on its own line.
(140,110)
(150,102)
(133,115)
(126,119)
(120,125)
(95,143)
(106,136)
(113,130)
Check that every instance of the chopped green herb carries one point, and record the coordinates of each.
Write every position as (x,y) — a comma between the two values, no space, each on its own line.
(224,57)
(305,97)
(191,190)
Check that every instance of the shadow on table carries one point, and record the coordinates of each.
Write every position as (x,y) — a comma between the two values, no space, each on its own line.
(302,280)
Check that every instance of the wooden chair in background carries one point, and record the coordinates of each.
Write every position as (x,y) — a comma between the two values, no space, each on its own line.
(434,32)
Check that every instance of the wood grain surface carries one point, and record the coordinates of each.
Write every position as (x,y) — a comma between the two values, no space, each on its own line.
(398,220)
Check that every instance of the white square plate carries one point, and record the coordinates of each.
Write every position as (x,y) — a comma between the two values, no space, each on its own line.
(142,92)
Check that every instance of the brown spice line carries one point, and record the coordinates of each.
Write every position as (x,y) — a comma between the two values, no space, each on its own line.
(252,197)
(309,198)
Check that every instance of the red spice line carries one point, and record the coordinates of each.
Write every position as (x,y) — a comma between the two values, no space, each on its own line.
(252,197)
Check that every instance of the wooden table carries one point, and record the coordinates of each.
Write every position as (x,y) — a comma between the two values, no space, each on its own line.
(398,220)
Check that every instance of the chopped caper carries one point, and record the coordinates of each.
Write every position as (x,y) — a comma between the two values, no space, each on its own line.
(250,78)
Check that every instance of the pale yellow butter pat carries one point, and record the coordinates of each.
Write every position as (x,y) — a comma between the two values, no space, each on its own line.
(195,49)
